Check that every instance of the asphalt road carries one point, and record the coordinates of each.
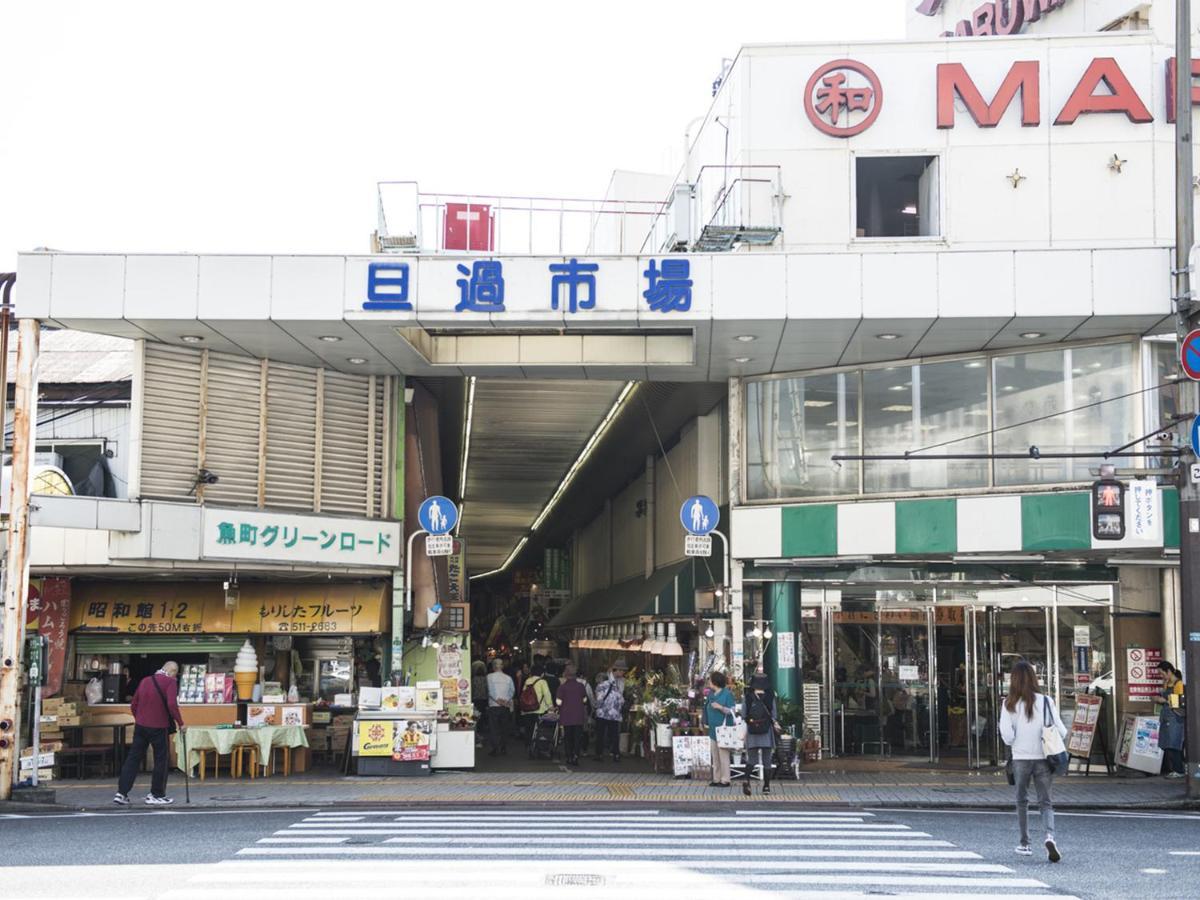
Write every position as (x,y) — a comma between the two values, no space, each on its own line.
(446,853)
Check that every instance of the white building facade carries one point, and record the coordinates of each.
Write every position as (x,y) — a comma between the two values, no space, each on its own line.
(956,245)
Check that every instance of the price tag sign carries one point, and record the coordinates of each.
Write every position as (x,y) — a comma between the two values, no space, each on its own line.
(697,545)
(439,544)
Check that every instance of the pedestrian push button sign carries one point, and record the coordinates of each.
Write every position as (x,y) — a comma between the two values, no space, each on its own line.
(438,515)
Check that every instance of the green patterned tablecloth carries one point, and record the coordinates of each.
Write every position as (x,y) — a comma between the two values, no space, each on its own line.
(223,740)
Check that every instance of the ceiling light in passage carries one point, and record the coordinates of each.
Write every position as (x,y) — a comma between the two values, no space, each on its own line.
(356,360)
(746,338)
(741,359)
(896,387)
(887,336)
(898,407)
(817,404)
(975,364)
(191,338)
(1032,335)
(330,338)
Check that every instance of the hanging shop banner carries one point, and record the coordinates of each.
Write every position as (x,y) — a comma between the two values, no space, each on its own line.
(455,687)
(1142,671)
(1083,726)
(943,615)
(787,649)
(271,537)
(49,612)
(456,568)
(199,608)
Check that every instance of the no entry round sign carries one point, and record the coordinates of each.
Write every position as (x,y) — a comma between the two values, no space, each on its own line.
(1189,355)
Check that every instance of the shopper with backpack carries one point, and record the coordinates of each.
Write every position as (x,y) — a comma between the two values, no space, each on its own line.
(1028,724)
(535,700)
(760,712)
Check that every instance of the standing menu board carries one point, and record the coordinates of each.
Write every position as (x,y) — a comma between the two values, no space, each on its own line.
(1137,747)
(1084,725)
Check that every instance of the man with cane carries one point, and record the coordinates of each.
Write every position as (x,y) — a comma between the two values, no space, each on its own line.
(155,709)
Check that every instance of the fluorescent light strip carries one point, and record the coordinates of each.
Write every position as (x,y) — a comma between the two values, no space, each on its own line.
(466,453)
(569,477)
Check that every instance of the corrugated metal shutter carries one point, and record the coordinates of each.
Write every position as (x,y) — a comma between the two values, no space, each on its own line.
(170,421)
(291,436)
(380,445)
(344,444)
(157,643)
(231,429)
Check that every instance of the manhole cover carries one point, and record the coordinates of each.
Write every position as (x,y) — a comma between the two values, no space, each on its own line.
(574,879)
(235,799)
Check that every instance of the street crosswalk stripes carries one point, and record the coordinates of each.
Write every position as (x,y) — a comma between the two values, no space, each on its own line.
(507,852)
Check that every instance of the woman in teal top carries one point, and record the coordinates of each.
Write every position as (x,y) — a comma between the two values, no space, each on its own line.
(718,710)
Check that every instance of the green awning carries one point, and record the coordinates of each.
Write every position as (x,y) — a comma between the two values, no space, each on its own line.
(157,643)
(625,600)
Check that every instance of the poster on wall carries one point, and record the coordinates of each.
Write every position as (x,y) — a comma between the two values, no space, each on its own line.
(411,740)
(1142,671)
(787,649)
(456,689)
(375,738)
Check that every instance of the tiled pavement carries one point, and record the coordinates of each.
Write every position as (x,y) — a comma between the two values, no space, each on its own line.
(552,784)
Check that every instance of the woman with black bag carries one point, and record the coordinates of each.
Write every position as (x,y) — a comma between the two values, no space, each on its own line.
(1025,717)
(760,713)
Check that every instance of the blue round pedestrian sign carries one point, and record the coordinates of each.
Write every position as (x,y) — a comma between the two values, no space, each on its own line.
(1189,355)
(438,515)
(699,514)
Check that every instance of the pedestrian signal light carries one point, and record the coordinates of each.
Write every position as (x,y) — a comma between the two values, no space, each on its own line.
(1108,510)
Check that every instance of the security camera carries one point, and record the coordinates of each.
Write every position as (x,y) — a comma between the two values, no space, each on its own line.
(207,477)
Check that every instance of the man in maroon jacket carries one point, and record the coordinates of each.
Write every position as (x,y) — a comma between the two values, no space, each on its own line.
(155,708)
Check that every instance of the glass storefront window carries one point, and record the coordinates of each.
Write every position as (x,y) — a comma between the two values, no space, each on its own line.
(1162,368)
(1046,390)
(793,427)
(910,407)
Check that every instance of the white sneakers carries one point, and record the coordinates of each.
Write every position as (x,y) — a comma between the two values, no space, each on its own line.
(1024,850)
(151,800)
(120,799)
(1052,853)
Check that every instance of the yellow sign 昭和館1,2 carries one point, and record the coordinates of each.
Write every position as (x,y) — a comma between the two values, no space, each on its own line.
(375,738)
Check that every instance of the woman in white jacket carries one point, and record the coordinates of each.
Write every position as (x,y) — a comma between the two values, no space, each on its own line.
(1022,717)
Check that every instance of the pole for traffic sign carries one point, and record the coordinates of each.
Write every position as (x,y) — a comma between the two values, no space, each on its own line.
(408,569)
(1185,320)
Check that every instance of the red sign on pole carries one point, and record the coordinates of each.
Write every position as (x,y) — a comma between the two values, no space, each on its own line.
(1189,355)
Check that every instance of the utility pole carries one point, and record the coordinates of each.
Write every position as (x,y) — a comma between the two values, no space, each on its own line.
(1185,320)
(16,587)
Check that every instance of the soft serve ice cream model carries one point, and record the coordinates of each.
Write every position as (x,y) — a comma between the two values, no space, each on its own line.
(245,671)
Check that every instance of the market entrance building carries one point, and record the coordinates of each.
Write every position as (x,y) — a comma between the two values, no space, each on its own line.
(870,249)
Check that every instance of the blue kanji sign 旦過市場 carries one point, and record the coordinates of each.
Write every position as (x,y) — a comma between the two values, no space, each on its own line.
(574,286)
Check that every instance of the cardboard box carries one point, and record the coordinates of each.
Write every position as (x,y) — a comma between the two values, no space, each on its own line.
(69,721)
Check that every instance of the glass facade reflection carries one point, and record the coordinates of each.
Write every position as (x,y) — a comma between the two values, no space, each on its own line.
(1063,399)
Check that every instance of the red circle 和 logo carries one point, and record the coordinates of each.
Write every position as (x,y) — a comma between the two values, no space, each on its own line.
(843,98)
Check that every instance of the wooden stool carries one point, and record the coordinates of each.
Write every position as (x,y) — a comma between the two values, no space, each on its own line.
(216,762)
(286,753)
(240,752)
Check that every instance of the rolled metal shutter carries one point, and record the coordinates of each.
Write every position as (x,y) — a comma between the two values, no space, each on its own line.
(344,442)
(170,421)
(379,441)
(291,436)
(231,433)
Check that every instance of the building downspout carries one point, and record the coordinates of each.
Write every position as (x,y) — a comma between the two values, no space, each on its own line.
(650,515)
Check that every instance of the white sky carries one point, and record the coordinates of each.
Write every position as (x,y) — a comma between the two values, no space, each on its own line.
(264,126)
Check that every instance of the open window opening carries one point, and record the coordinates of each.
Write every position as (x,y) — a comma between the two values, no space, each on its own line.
(898,197)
